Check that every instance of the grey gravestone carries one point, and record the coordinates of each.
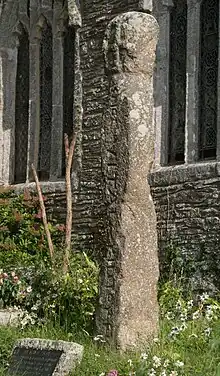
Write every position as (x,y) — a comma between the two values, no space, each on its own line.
(36,357)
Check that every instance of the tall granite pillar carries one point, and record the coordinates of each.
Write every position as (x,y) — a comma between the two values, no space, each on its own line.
(128,309)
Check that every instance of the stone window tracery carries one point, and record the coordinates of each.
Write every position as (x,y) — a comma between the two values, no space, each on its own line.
(209,29)
(40,48)
(177,82)
(188,82)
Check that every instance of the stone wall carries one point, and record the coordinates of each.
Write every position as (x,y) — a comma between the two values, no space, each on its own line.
(90,205)
(187,201)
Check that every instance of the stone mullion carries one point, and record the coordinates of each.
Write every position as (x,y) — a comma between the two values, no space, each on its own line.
(57,119)
(22,7)
(7,112)
(23,14)
(192,88)
(34,105)
(162,89)
(218,109)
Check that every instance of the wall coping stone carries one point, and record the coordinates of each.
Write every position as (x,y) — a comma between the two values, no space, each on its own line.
(46,186)
(172,175)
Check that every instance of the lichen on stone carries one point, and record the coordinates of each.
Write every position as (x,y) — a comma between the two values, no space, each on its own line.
(74,13)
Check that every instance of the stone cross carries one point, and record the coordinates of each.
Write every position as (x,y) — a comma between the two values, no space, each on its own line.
(128,309)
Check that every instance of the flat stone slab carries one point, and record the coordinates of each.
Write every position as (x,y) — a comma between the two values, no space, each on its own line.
(40,357)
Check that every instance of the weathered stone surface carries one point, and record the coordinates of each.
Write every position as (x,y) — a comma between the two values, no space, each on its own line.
(74,13)
(128,311)
(9,317)
(96,15)
(146,5)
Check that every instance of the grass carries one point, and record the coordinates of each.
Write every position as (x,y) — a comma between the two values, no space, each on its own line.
(95,359)
(188,342)
(199,353)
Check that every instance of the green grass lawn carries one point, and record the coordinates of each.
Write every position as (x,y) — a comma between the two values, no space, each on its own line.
(193,351)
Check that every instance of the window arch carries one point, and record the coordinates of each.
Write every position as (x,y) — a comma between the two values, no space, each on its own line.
(46,92)
(208,80)
(177,82)
(21,107)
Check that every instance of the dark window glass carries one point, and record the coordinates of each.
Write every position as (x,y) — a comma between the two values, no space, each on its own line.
(22,108)
(28,8)
(68,85)
(208,79)
(177,82)
(46,71)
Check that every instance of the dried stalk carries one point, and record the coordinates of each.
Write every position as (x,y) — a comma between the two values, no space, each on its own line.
(69,151)
(44,215)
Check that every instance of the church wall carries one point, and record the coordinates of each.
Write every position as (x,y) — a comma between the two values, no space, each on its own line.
(187,201)
(186,197)
(185,188)
(87,175)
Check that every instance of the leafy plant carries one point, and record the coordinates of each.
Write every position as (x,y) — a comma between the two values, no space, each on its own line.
(22,236)
(13,290)
(66,299)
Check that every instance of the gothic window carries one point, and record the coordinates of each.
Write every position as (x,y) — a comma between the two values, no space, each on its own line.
(177,82)
(43,89)
(21,108)
(46,70)
(209,29)
(68,84)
